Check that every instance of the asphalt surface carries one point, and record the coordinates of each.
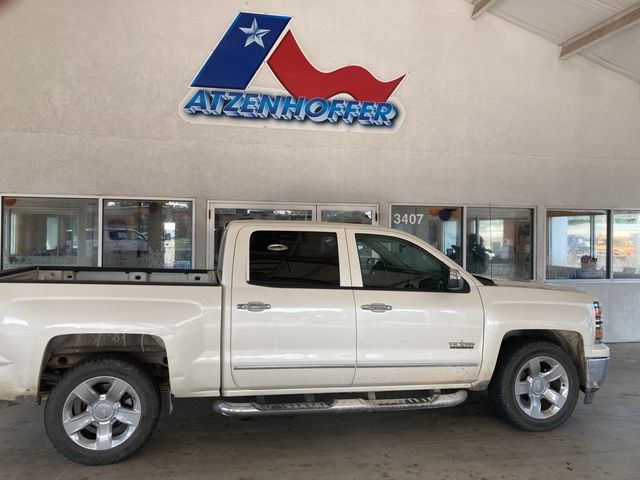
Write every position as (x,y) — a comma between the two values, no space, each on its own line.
(600,441)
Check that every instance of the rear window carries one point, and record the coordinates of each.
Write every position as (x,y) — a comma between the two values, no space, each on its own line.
(294,259)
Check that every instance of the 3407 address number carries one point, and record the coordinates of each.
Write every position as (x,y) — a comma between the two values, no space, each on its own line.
(408,218)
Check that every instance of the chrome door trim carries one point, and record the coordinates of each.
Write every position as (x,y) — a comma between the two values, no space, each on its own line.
(289,367)
(418,365)
(389,365)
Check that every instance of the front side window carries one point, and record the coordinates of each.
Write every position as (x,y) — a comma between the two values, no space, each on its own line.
(147,234)
(577,242)
(294,259)
(395,264)
(49,231)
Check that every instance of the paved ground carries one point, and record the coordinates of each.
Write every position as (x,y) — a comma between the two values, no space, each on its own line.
(600,441)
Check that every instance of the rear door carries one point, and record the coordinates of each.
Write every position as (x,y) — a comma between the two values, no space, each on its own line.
(293,317)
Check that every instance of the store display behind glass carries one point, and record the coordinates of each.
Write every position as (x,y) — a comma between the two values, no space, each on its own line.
(49,231)
(147,234)
(626,244)
(499,242)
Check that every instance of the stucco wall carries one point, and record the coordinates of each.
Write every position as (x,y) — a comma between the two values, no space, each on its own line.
(89,93)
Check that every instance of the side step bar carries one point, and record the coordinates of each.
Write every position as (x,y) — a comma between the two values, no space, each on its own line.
(253,409)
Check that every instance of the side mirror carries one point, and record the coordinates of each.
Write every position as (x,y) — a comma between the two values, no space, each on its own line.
(456,282)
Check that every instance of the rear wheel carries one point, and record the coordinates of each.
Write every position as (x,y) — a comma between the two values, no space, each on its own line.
(536,386)
(102,411)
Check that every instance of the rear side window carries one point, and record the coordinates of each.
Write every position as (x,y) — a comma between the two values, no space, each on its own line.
(294,259)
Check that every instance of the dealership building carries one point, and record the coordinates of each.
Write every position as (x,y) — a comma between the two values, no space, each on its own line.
(131,141)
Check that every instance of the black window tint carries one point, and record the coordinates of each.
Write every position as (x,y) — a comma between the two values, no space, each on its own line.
(393,263)
(294,259)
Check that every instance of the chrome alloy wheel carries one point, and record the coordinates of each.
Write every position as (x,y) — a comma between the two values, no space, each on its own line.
(101,413)
(541,387)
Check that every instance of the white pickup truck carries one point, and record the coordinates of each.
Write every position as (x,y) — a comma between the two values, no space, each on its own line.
(299,317)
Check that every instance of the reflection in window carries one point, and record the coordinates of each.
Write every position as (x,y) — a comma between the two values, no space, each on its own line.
(364,217)
(394,264)
(577,243)
(147,234)
(294,259)
(625,244)
(49,231)
(222,216)
(499,242)
(438,226)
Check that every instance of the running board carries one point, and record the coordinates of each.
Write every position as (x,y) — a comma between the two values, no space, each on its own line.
(352,405)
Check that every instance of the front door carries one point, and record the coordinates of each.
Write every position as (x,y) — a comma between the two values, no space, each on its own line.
(411,329)
(293,318)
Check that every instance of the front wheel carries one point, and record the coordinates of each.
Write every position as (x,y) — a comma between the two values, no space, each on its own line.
(536,386)
(102,411)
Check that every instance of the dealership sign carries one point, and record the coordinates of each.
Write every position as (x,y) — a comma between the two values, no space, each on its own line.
(347,98)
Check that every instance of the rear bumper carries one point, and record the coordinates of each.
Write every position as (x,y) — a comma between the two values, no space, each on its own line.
(596,373)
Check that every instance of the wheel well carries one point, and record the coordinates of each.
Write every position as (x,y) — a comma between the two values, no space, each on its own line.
(571,342)
(65,351)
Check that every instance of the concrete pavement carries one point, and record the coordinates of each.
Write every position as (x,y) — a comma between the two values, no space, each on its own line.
(599,441)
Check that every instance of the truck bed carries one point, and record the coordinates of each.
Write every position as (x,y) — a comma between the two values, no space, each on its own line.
(92,275)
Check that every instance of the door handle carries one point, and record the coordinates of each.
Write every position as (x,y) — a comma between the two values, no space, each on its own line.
(253,306)
(377,307)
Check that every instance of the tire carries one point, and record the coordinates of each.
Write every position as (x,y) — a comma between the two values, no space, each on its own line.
(531,401)
(102,411)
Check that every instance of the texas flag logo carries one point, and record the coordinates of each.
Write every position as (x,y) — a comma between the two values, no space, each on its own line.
(348,96)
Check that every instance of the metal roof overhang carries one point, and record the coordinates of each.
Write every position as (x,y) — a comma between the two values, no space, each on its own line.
(604,31)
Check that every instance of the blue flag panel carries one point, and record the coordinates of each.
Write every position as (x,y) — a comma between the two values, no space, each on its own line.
(241,52)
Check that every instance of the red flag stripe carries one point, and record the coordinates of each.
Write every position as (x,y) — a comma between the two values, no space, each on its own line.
(302,79)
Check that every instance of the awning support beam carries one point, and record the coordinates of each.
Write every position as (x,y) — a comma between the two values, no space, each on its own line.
(601,31)
(482,6)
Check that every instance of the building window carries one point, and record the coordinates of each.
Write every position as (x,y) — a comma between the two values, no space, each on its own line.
(625,244)
(577,244)
(49,231)
(364,215)
(294,259)
(147,234)
(441,227)
(499,242)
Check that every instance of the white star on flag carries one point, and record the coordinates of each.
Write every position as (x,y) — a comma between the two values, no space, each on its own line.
(254,34)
